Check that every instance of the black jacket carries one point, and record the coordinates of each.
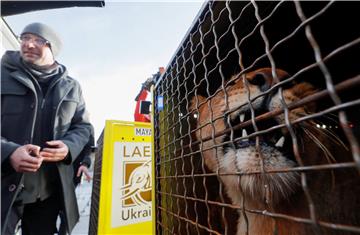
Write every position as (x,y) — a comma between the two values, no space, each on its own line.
(83,159)
(20,104)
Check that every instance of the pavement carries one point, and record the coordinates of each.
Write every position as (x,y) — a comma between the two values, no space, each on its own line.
(83,195)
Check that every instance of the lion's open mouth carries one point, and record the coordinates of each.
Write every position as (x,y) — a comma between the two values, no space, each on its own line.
(277,139)
(241,156)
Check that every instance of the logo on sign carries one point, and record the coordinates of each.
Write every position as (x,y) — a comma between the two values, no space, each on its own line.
(137,188)
(132,183)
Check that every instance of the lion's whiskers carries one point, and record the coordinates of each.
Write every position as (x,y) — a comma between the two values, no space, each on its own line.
(327,153)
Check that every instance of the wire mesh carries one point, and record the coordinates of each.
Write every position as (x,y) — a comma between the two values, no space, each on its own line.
(258,131)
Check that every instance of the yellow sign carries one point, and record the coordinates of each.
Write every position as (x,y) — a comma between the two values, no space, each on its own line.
(126,179)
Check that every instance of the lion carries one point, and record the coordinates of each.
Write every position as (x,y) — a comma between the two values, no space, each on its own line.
(316,198)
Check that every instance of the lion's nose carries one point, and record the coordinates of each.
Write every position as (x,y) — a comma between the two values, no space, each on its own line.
(263,78)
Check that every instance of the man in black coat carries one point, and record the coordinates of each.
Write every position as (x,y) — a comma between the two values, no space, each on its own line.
(44,126)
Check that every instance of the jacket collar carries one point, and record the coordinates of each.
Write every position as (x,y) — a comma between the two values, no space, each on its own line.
(66,85)
(23,79)
(64,81)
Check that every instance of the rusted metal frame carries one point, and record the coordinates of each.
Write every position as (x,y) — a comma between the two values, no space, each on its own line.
(216,203)
(164,93)
(316,168)
(163,226)
(219,39)
(311,204)
(184,47)
(243,200)
(199,25)
(311,116)
(219,62)
(180,139)
(171,128)
(308,117)
(212,30)
(341,227)
(223,80)
(232,22)
(164,186)
(167,183)
(189,134)
(174,89)
(247,36)
(200,63)
(237,48)
(287,122)
(192,167)
(273,48)
(157,173)
(198,29)
(202,37)
(185,61)
(307,68)
(192,49)
(322,94)
(317,96)
(349,83)
(210,49)
(188,122)
(181,150)
(355,148)
(191,222)
(296,150)
(324,224)
(157,158)
(305,118)
(310,19)
(256,129)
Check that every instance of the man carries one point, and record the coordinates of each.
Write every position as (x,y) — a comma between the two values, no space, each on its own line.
(44,127)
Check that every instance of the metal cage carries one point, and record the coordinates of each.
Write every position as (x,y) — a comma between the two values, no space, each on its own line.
(257,121)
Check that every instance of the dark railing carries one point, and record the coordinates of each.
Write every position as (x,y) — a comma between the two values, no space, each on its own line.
(95,194)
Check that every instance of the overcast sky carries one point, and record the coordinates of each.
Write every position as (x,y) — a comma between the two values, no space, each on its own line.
(112,50)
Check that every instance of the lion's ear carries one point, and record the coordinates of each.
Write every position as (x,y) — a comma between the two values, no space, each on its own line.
(195,102)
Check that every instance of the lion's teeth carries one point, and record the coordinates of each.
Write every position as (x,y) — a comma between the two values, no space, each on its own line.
(242,117)
(244,133)
(280,142)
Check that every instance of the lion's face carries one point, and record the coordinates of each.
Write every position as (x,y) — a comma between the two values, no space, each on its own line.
(234,152)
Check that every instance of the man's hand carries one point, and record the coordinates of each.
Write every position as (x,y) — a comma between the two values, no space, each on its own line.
(55,152)
(26,158)
(85,170)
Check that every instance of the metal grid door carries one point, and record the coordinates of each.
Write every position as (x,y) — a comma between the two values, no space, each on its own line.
(257,121)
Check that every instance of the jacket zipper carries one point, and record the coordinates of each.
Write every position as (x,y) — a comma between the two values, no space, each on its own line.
(57,109)
(34,117)
(47,93)
(43,103)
